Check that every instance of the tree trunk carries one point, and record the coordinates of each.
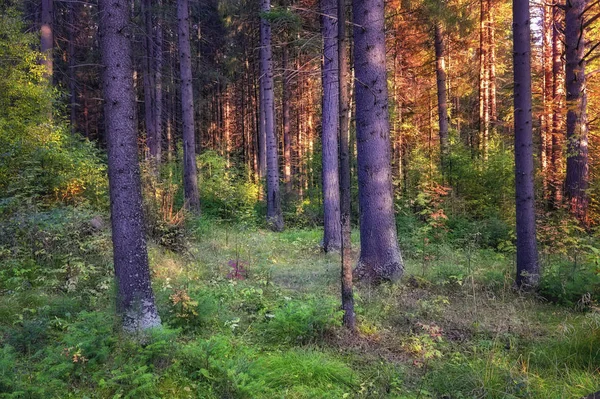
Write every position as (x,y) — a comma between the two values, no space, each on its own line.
(349,319)
(135,300)
(558,96)
(380,257)
(527,256)
(149,83)
(47,36)
(158,95)
(547,96)
(72,62)
(274,214)
(190,179)
(330,125)
(576,183)
(440,71)
(287,141)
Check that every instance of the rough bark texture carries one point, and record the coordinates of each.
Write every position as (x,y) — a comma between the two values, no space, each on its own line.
(330,124)
(440,72)
(527,256)
(47,36)
(287,139)
(349,319)
(380,257)
(547,97)
(576,183)
(135,300)
(190,179)
(274,214)
(558,95)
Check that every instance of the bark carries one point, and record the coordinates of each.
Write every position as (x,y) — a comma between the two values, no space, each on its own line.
(576,183)
(190,179)
(558,95)
(158,96)
(349,319)
(380,257)
(47,37)
(149,82)
(527,256)
(547,96)
(287,142)
(262,132)
(483,79)
(274,213)
(491,45)
(330,125)
(135,300)
(440,71)
(72,62)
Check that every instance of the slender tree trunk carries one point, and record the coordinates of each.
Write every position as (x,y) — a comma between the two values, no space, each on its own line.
(558,96)
(158,95)
(149,83)
(262,132)
(576,183)
(491,45)
(483,81)
(287,141)
(547,96)
(527,256)
(274,214)
(349,319)
(380,257)
(330,125)
(135,300)
(190,179)
(47,35)
(440,72)
(72,62)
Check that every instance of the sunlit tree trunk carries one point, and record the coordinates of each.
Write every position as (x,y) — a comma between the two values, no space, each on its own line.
(190,179)
(527,256)
(380,257)
(440,72)
(330,126)
(558,97)
(349,319)
(274,213)
(287,140)
(576,183)
(135,300)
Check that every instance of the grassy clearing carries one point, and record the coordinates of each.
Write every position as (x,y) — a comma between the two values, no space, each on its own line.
(254,314)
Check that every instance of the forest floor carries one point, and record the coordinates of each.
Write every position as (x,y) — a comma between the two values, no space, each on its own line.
(254,314)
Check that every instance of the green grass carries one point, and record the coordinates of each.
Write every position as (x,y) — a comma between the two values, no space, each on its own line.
(453,327)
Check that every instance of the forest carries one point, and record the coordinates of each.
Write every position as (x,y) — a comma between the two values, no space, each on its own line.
(299,199)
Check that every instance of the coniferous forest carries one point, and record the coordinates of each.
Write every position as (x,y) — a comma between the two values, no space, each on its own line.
(299,199)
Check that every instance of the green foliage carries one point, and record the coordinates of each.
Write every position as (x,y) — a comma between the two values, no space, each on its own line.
(302,322)
(225,192)
(39,157)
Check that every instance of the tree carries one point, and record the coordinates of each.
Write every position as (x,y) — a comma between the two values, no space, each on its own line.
(349,319)
(576,183)
(47,37)
(135,300)
(440,72)
(380,257)
(527,256)
(190,178)
(330,125)
(274,214)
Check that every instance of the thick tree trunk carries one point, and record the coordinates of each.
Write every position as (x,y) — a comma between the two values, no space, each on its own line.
(190,179)
(135,300)
(47,36)
(287,140)
(527,256)
(330,125)
(380,257)
(576,183)
(274,214)
(440,71)
(349,319)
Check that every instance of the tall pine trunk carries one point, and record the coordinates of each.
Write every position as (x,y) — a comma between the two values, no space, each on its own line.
(47,37)
(527,256)
(380,257)
(349,319)
(190,179)
(135,300)
(330,125)
(440,72)
(558,96)
(287,139)
(576,183)
(274,213)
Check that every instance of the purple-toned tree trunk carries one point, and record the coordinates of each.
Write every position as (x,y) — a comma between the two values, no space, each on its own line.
(440,72)
(274,214)
(156,152)
(527,256)
(380,257)
(349,319)
(287,139)
(149,80)
(135,300)
(330,124)
(190,179)
(576,183)
(47,36)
